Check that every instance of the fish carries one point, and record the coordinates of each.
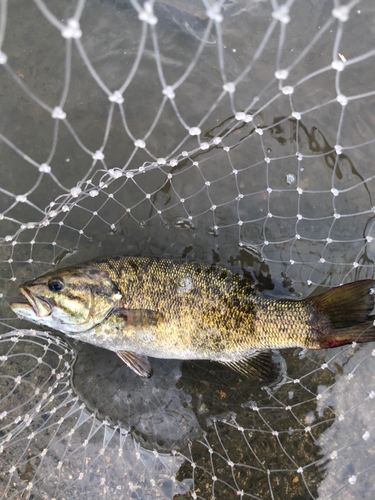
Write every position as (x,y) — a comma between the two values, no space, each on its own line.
(142,307)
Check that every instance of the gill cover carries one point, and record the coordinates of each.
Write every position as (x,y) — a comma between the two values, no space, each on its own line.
(72,300)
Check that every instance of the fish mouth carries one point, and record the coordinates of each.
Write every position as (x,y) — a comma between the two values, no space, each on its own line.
(36,305)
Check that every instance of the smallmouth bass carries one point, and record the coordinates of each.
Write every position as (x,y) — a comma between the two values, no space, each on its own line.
(164,308)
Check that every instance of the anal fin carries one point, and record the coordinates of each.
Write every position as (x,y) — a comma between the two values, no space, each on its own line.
(258,368)
(138,363)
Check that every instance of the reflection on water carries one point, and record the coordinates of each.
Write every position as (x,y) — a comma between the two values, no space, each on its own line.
(287,192)
(191,427)
(157,410)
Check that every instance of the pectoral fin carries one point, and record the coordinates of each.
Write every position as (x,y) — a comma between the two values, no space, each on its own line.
(259,368)
(139,364)
(139,318)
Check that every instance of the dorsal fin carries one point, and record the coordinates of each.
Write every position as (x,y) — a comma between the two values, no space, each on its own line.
(138,363)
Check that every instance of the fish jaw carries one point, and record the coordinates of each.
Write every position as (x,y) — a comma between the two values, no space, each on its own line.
(24,311)
(35,309)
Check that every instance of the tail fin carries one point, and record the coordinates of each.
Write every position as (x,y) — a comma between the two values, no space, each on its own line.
(347,314)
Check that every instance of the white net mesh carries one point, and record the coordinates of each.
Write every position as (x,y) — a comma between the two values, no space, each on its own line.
(240,132)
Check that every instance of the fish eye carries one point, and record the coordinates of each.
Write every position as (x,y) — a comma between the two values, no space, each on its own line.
(56,285)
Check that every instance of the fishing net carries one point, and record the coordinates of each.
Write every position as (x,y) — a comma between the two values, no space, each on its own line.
(239,132)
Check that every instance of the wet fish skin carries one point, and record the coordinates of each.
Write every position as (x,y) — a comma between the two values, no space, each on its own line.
(140,306)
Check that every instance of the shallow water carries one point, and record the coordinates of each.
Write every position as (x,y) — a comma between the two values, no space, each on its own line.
(274,196)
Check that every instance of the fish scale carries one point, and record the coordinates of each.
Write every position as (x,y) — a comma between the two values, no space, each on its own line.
(229,317)
(213,318)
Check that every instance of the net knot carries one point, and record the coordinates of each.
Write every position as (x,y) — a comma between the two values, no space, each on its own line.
(214,13)
(194,131)
(58,113)
(139,143)
(342,99)
(147,14)
(115,173)
(341,13)
(44,168)
(338,65)
(281,74)
(229,87)
(366,436)
(98,155)
(76,191)
(287,90)
(282,14)
(116,97)
(244,117)
(169,92)
(3,57)
(72,29)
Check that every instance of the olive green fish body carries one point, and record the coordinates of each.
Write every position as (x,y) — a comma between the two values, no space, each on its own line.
(196,311)
(139,306)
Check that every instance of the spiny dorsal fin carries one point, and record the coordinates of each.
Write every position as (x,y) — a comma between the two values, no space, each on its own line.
(260,367)
(139,364)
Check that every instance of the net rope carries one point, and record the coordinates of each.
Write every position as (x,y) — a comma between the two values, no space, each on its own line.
(237,132)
